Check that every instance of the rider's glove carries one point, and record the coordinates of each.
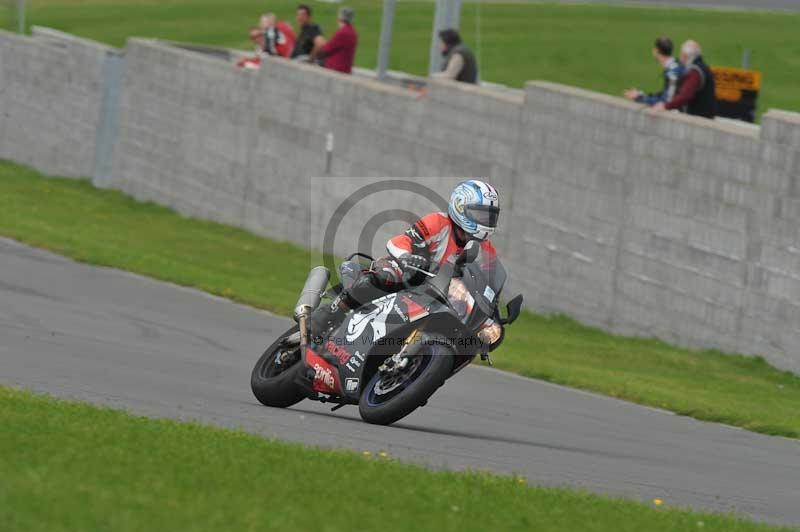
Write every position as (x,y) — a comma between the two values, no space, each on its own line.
(414,261)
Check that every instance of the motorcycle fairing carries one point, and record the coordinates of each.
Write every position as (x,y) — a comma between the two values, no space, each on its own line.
(373,315)
(326,377)
(380,328)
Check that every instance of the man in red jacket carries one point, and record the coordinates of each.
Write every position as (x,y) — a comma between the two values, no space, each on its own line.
(340,51)
(279,36)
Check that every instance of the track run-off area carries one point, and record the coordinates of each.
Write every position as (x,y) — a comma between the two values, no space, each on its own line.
(117,339)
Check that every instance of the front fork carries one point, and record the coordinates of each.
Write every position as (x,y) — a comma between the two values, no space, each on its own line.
(399,360)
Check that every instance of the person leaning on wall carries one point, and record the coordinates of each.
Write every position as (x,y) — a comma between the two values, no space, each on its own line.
(696,90)
(672,72)
(339,52)
(459,63)
(307,31)
(279,37)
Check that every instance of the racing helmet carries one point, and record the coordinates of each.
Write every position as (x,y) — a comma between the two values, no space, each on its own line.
(475,207)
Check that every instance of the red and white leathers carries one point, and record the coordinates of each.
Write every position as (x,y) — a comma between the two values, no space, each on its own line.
(435,237)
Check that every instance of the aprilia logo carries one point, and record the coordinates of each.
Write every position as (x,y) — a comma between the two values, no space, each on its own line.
(324,376)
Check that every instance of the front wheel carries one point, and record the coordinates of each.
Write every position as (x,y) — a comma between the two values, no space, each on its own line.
(274,379)
(390,397)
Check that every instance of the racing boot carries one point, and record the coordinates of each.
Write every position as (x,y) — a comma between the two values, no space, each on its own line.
(326,317)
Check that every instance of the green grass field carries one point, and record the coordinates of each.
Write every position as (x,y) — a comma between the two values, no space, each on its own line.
(105,227)
(72,466)
(597,47)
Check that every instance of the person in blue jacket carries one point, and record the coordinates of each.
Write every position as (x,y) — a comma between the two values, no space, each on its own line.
(673,70)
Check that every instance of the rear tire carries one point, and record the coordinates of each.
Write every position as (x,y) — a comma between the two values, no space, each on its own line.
(278,390)
(381,411)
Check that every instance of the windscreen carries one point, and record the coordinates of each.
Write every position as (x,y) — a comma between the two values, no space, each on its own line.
(485,277)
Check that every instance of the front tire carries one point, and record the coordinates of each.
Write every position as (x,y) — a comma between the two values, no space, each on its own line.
(272,385)
(381,407)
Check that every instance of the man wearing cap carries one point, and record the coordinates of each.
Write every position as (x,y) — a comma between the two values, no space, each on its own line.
(340,51)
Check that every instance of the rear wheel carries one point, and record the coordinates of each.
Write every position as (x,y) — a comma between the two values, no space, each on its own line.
(274,377)
(389,397)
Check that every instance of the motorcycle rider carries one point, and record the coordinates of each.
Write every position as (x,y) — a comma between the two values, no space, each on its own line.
(472,214)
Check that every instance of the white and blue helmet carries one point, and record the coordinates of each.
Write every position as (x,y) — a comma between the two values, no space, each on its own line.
(475,207)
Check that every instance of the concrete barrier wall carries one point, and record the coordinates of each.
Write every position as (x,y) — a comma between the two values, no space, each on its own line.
(50,95)
(666,226)
(658,225)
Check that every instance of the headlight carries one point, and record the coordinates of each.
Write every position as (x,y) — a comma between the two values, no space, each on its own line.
(490,332)
(460,298)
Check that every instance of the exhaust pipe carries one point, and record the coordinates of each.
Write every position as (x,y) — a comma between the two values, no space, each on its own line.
(309,299)
(316,282)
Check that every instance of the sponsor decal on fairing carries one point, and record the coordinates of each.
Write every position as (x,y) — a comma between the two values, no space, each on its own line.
(414,310)
(489,293)
(355,361)
(377,317)
(325,376)
(341,354)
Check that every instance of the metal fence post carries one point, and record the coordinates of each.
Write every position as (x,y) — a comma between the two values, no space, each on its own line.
(435,60)
(109,120)
(21,16)
(448,15)
(387,22)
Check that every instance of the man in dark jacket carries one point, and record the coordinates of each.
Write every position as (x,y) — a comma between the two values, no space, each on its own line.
(696,92)
(307,31)
(460,63)
(673,70)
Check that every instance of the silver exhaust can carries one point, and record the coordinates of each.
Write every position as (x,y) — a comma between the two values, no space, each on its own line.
(316,283)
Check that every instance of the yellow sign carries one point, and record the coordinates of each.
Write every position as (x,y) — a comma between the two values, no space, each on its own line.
(730,82)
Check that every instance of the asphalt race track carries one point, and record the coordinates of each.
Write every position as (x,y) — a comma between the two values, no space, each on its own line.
(117,339)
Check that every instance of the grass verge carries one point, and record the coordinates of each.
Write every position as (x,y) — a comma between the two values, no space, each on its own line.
(105,227)
(603,48)
(73,466)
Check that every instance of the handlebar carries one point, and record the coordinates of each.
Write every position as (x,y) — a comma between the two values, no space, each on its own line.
(420,270)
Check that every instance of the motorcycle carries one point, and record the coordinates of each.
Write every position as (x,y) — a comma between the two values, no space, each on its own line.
(391,354)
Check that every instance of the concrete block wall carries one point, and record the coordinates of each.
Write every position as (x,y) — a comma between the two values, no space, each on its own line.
(184,132)
(661,226)
(243,147)
(665,226)
(568,192)
(300,106)
(50,95)
(770,313)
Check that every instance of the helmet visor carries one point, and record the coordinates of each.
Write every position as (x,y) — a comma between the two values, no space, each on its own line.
(483,214)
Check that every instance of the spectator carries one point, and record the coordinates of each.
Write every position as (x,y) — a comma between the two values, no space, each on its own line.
(279,37)
(696,91)
(662,52)
(257,36)
(340,51)
(460,63)
(307,32)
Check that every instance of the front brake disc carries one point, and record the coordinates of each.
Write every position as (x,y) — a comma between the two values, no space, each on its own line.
(396,378)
